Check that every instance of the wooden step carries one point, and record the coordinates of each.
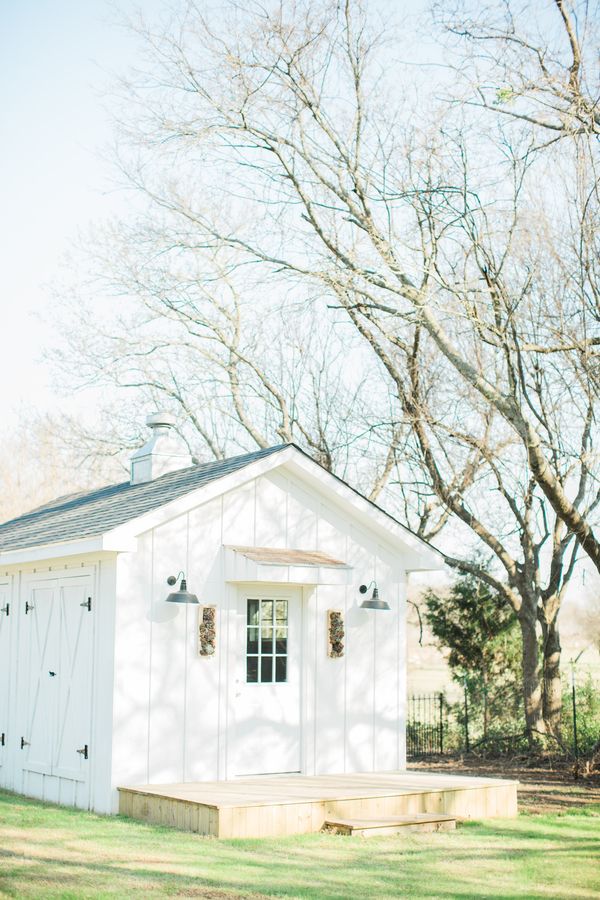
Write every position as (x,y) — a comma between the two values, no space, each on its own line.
(364,827)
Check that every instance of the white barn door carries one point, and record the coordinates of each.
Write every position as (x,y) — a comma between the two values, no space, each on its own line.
(268,671)
(5,661)
(74,685)
(37,686)
(55,684)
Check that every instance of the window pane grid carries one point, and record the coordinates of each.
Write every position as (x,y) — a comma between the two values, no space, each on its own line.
(266,641)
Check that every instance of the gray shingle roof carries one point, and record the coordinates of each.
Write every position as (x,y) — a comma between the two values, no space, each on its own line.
(94,513)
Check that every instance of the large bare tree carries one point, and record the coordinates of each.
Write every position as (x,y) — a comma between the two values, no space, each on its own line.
(288,179)
(239,361)
(319,177)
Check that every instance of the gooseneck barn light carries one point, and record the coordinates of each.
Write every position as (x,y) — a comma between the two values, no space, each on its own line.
(182,595)
(375,602)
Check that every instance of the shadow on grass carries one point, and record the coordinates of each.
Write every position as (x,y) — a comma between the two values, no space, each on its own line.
(176,883)
(526,857)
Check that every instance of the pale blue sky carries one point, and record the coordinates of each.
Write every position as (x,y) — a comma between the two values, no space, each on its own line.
(54,56)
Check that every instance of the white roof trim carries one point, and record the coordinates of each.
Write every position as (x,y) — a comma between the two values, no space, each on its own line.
(39,552)
(424,556)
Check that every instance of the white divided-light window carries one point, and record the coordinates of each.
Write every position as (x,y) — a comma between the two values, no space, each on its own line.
(55,683)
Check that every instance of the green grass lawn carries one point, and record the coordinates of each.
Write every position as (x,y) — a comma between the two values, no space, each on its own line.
(48,851)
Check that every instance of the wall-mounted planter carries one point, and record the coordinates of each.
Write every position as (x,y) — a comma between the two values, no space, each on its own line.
(207,631)
(335,633)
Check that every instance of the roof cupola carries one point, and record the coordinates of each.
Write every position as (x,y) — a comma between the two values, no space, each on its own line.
(163,452)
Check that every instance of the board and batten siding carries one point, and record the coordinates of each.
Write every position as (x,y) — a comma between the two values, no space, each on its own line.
(173,710)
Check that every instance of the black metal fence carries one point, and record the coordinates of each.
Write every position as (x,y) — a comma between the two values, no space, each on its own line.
(482,722)
(425,725)
(479,720)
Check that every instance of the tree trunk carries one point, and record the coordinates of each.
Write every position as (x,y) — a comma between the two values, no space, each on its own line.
(552,681)
(532,686)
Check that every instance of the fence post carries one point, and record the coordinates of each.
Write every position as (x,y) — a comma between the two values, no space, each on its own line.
(485,711)
(441,722)
(466,716)
(574,702)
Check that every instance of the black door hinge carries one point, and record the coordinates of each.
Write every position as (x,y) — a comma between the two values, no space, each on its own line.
(24,743)
(6,609)
(84,751)
(88,604)
(28,607)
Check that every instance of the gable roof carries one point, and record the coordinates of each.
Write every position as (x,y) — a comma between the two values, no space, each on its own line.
(112,517)
(96,512)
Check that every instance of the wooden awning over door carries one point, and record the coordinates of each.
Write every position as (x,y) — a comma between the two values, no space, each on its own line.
(283,565)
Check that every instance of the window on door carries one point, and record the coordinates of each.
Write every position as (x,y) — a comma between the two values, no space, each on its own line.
(266,641)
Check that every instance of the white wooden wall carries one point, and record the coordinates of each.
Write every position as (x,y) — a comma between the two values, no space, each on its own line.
(173,709)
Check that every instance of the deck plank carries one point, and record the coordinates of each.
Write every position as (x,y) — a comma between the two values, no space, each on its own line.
(274,789)
(295,804)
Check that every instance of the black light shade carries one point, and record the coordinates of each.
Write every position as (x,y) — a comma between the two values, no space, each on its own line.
(182,595)
(375,602)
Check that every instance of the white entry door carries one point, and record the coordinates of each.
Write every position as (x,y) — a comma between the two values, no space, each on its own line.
(267,731)
(5,663)
(55,680)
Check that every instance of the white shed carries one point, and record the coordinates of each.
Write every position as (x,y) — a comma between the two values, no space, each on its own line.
(277,669)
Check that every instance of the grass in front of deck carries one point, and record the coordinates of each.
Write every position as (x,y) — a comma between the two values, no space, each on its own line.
(53,852)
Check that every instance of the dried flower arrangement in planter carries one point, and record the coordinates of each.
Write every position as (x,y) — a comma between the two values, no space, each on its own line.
(335,633)
(207,631)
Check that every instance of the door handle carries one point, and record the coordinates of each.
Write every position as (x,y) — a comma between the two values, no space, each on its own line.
(24,743)
(52,674)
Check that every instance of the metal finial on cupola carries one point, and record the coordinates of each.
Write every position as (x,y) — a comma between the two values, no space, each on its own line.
(374,602)
(182,595)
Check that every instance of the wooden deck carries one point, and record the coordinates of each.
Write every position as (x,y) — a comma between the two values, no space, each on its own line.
(298,804)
